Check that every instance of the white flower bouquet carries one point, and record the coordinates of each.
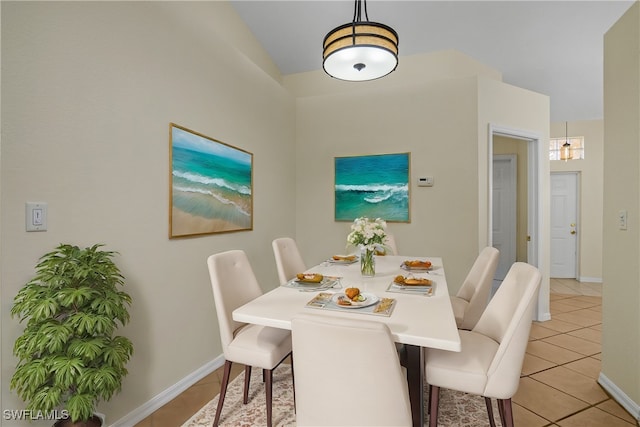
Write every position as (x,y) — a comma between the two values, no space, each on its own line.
(368,233)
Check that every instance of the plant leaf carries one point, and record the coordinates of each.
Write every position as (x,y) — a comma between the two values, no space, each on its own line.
(81,406)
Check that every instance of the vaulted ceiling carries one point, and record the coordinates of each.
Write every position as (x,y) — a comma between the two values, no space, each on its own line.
(550,47)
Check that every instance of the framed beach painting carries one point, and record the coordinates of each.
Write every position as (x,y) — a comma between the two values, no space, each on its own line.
(211,185)
(375,186)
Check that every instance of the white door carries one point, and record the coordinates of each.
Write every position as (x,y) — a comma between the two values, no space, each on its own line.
(504,212)
(564,224)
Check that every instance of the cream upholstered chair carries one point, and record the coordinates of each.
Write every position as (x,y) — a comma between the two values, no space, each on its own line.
(473,296)
(389,248)
(347,373)
(392,247)
(492,353)
(288,259)
(235,284)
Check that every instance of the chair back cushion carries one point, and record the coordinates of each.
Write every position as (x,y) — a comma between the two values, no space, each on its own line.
(391,245)
(234,284)
(477,286)
(289,262)
(507,320)
(347,373)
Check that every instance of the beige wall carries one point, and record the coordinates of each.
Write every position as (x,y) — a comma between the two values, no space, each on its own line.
(443,123)
(434,122)
(590,193)
(88,91)
(621,248)
(428,107)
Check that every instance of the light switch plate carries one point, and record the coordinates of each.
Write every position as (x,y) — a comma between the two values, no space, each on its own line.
(622,219)
(36,216)
(425,181)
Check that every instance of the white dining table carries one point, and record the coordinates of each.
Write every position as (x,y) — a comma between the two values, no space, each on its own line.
(418,320)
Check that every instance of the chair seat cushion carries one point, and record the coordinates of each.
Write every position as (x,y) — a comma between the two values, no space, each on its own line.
(464,371)
(259,346)
(459,306)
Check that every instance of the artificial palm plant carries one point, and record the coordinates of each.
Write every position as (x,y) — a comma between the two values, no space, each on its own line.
(69,355)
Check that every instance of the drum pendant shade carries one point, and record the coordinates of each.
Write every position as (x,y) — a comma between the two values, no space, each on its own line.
(360,50)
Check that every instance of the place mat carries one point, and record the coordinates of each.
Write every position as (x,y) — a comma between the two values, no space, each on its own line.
(324,301)
(327,282)
(427,290)
(343,261)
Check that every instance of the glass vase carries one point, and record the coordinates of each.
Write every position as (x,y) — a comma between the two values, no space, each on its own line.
(367,263)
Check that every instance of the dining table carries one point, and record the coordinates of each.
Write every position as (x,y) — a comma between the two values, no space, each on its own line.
(417,316)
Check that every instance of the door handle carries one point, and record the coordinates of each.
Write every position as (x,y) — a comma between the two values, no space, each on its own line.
(573,231)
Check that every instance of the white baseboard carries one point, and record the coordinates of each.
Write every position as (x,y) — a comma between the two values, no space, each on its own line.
(619,396)
(142,412)
(543,317)
(590,279)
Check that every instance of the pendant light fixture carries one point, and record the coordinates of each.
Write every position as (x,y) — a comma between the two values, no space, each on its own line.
(565,150)
(360,50)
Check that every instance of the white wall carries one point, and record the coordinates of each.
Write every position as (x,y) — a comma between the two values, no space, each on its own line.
(88,92)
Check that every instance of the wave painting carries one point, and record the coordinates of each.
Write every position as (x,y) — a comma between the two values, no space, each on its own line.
(211,185)
(373,186)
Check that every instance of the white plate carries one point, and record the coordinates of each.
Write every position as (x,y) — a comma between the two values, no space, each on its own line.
(369,299)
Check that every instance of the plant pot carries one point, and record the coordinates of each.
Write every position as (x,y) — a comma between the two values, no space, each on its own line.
(94,421)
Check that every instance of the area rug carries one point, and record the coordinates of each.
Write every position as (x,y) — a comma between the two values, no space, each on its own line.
(456,409)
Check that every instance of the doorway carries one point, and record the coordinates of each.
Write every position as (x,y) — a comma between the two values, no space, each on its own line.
(505,200)
(564,225)
(529,204)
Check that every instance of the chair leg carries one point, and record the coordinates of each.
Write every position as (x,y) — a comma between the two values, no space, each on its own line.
(293,381)
(501,411)
(507,411)
(434,398)
(492,422)
(268,387)
(247,380)
(223,391)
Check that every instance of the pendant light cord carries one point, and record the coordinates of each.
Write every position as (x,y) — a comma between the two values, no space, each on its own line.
(357,11)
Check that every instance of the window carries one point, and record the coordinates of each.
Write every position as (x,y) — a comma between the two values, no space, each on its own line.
(576,148)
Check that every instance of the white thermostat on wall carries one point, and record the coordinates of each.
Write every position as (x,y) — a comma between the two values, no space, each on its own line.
(426,181)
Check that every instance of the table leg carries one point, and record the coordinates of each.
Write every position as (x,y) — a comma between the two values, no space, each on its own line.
(415,378)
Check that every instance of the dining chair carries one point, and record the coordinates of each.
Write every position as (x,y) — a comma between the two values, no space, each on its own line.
(288,259)
(473,296)
(389,247)
(347,373)
(392,247)
(490,361)
(234,284)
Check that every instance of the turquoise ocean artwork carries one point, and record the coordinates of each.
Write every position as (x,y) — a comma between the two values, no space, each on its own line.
(211,185)
(375,186)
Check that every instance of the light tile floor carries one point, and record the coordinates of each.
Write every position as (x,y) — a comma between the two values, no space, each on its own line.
(558,387)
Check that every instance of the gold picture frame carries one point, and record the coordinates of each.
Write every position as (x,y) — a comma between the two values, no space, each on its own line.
(210,185)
